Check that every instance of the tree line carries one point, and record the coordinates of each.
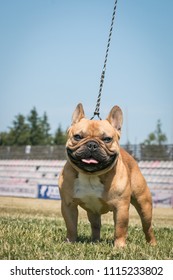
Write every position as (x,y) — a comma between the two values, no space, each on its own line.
(32,130)
(35,130)
(154,146)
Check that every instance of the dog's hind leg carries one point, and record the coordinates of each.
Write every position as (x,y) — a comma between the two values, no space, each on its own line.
(143,205)
(95,221)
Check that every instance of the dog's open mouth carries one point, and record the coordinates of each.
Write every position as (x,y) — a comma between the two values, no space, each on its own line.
(91,164)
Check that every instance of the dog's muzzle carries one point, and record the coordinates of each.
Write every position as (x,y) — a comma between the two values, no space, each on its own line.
(91,157)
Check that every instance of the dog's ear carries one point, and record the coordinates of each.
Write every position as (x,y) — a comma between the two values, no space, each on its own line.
(115,118)
(78,114)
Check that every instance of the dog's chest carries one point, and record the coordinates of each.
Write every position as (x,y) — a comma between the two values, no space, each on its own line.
(88,189)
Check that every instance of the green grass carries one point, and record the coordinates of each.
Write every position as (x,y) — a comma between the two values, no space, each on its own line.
(43,238)
(32,229)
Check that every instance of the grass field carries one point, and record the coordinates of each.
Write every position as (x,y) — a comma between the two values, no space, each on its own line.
(34,229)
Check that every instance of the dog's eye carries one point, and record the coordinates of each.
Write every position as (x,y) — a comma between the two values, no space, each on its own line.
(107,139)
(77,137)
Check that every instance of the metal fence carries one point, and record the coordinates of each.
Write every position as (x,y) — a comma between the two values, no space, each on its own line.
(139,152)
(33,152)
(150,152)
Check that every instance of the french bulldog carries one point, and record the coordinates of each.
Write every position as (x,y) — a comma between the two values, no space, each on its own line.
(100,176)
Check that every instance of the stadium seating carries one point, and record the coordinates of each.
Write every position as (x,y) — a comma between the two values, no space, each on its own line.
(29,173)
(158,174)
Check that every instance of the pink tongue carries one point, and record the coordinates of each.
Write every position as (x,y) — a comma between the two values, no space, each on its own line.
(90,160)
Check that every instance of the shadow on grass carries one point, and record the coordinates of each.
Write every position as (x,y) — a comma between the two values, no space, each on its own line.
(88,240)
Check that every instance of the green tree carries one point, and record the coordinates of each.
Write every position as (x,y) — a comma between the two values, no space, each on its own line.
(160,136)
(153,147)
(36,133)
(19,133)
(157,137)
(45,128)
(60,136)
(32,130)
(3,138)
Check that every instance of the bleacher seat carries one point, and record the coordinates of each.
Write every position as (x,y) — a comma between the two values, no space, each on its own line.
(30,171)
(158,174)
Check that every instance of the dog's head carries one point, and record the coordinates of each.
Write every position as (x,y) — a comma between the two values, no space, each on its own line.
(93,145)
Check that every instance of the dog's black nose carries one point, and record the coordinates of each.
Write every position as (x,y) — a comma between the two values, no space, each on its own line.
(92,146)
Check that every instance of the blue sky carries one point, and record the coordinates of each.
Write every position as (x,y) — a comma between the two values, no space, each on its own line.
(52,53)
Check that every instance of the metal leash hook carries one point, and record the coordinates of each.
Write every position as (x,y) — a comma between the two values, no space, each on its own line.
(98,115)
(97,109)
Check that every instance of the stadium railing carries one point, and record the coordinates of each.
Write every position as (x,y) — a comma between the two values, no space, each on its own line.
(57,152)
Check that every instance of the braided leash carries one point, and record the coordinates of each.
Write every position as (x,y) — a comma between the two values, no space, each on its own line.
(97,109)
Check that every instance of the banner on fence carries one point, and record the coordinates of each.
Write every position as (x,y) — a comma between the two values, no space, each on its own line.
(162,198)
(48,192)
(18,190)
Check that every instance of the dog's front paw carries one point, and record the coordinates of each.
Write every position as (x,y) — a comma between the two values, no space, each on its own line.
(153,242)
(119,243)
(70,240)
